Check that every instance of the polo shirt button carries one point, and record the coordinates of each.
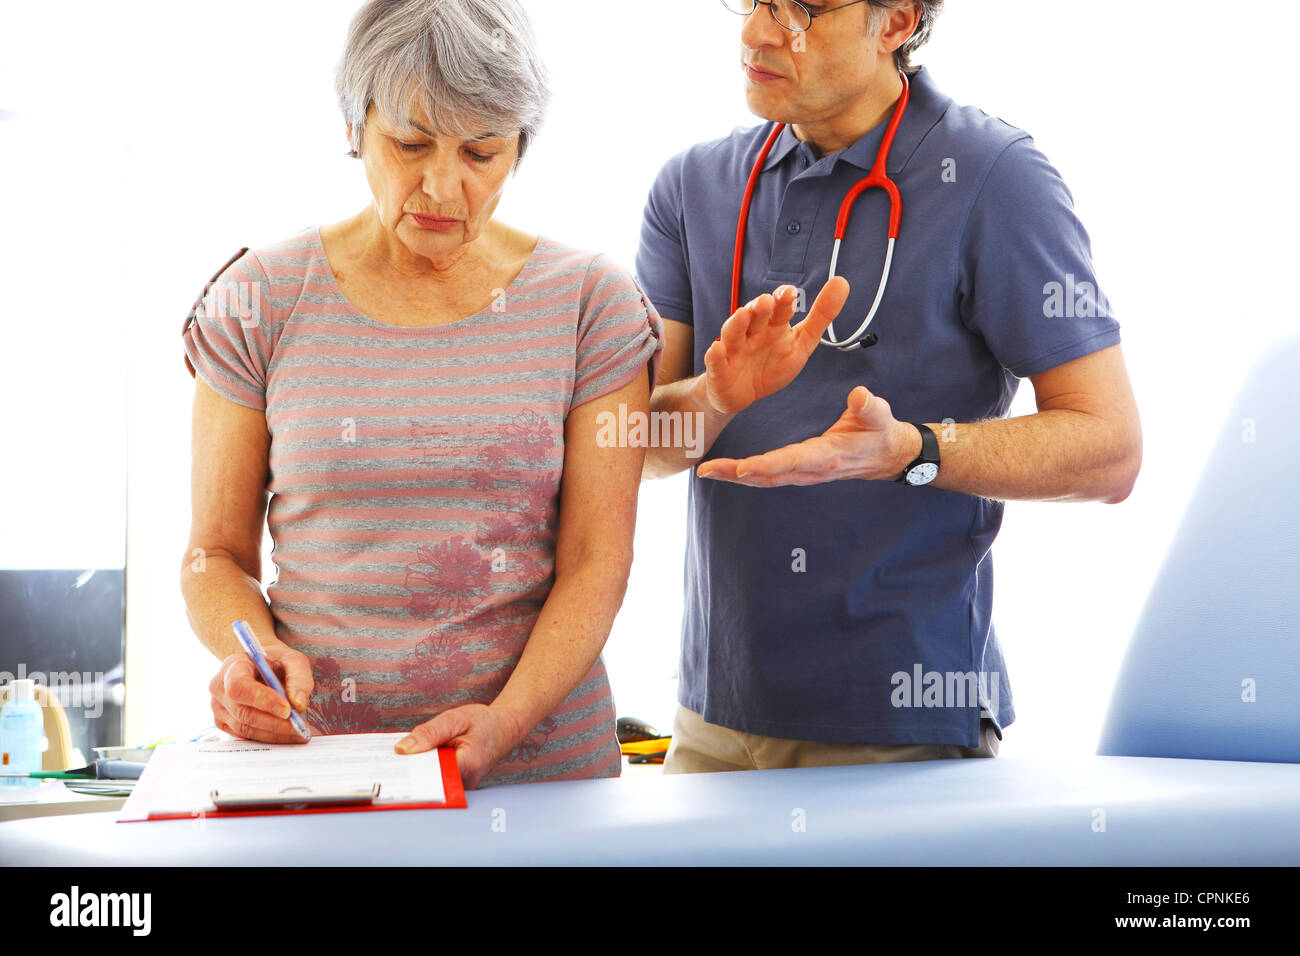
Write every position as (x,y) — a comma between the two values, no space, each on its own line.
(803,161)
(793,227)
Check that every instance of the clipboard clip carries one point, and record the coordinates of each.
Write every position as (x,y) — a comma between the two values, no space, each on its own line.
(295,798)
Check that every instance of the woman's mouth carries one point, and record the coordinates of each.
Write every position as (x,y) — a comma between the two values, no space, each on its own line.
(438,223)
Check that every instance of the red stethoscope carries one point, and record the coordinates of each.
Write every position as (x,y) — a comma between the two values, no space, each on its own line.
(876,178)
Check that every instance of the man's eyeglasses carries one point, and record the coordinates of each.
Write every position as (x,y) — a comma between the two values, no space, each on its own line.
(789,13)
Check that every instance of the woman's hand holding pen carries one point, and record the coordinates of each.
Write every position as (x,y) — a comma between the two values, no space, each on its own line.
(244,706)
(760,352)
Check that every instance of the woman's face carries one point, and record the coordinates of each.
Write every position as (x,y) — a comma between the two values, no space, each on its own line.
(434,193)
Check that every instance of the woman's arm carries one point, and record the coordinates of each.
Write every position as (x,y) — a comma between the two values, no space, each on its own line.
(593,558)
(222,568)
(598,496)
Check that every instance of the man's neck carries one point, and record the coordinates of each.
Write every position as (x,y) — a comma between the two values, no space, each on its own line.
(848,126)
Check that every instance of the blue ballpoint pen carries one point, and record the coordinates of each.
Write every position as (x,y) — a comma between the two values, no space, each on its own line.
(253,648)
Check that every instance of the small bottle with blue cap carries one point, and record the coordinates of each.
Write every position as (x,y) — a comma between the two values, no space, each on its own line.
(22,728)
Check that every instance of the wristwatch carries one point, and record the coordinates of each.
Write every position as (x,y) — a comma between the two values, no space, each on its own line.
(926,467)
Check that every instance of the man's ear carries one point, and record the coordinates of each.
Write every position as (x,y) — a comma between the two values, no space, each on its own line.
(901,24)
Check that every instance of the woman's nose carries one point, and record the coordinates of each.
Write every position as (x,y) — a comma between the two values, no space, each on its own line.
(441,181)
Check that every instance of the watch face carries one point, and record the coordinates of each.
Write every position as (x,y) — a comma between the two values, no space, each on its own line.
(923,474)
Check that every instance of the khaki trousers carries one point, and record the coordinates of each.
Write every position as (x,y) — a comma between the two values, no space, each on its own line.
(701,747)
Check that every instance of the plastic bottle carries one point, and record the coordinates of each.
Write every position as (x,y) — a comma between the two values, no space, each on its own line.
(22,727)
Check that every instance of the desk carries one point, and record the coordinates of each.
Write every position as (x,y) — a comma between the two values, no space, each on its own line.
(52,798)
(999,811)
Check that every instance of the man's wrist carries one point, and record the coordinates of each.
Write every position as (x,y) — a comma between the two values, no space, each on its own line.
(699,394)
(908,446)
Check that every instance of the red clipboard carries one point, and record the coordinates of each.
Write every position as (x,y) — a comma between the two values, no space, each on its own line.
(136,808)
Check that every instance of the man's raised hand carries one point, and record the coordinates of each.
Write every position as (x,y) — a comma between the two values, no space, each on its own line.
(760,352)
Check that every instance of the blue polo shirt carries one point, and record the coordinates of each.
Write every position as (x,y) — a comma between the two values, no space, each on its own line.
(860,611)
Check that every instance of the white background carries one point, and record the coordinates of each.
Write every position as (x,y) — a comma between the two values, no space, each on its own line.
(143,142)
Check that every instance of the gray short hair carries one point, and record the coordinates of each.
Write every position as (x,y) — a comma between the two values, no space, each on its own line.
(473,66)
(930,10)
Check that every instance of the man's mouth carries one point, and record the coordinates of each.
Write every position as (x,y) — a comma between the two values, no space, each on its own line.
(760,75)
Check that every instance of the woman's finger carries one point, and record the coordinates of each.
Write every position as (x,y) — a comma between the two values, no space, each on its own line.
(447,726)
(298,681)
(242,686)
(251,724)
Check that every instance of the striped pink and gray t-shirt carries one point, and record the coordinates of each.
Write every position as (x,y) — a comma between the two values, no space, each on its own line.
(414,480)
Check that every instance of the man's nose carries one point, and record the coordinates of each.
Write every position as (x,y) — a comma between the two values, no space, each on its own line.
(760,30)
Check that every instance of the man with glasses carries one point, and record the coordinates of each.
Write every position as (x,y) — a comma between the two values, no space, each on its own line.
(838,576)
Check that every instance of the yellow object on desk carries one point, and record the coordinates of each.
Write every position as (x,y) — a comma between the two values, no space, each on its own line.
(636,748)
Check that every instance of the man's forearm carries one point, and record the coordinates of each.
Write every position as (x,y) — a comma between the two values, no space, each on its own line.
(686,397)
(1053,455)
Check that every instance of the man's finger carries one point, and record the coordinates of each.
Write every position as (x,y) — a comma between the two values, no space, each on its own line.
(715,357)
(870,411)
(824,311)
(796,478)
(809,455)
(786,298)
(734,329)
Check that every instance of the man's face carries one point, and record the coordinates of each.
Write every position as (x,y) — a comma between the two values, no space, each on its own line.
(815,76)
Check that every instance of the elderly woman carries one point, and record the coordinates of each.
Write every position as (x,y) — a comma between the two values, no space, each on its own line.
(416,392)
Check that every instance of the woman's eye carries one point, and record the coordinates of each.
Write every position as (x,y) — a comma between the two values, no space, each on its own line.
(479,157)
(410,147)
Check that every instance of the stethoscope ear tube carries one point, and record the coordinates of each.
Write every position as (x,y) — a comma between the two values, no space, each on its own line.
(738,258)
(878,178)
(859,338)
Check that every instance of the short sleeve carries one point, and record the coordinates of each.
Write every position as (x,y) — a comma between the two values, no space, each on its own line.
(229,342)
(1027,282)
(619,333)
(661,263)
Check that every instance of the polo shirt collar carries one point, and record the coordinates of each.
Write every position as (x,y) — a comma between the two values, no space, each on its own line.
(924,109)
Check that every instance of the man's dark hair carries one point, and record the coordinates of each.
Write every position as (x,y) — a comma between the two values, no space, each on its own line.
(930,10)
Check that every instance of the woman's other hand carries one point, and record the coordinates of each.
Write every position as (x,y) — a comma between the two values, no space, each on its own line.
(480,736)
(244,706)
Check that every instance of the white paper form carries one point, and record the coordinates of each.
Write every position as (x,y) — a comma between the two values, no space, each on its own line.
(341,762)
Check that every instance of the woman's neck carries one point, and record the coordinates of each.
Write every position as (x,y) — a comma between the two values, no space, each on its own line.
(374,248)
